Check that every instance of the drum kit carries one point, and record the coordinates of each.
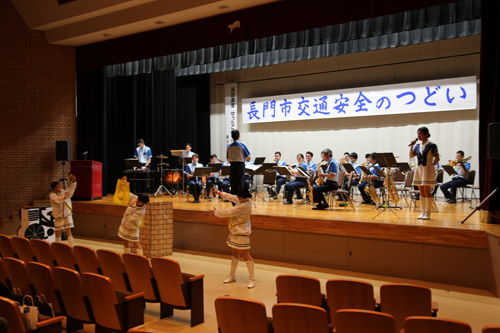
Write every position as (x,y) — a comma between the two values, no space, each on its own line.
(172,178)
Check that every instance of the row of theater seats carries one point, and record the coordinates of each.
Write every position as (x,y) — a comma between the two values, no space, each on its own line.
(349,306)
(249,316)
(107,281)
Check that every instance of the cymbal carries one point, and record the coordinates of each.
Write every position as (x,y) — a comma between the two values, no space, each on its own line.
(161,157)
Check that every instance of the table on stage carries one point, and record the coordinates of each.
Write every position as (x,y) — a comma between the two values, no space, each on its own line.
(140,176)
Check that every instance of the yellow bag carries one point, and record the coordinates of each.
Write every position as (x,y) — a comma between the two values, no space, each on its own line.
(122,192)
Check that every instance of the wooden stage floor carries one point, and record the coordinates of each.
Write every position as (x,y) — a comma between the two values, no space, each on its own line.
(443,228)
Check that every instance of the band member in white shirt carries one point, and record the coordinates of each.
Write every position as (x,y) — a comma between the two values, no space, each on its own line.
(195,183)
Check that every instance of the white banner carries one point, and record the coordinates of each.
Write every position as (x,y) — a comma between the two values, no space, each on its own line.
(413,97)
(231,101)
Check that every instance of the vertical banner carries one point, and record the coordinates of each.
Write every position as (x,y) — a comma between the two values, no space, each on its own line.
(231,101)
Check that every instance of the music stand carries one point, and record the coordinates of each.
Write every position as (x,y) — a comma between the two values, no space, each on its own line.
(282,171)
(132,163)
(348,167)
(161,188)
(404,167)
(202,171)
(259,160)
(307,175)
(386,160)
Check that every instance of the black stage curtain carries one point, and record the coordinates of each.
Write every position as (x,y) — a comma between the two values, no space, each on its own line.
(165,111)
(489,101)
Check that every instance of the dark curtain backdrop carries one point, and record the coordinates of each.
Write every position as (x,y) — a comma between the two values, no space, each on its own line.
(165,111)
(489,101)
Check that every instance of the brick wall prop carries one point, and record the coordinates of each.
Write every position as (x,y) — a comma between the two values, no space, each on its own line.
(157,235)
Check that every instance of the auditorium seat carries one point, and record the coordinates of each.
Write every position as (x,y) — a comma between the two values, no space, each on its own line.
(74,298)
(241,315)
(143,330)
(18,275)
(6,247)
(114,310)
(491,329)
(348,294)
(299,318)
(4,277)
(179,290)
(86,259)
(63,254)
(405,300)
(22,247)
(435,325)
(43,252)
(10,311)
(140,275)
(112,266)
(362,321)
(43,281)
(299,289)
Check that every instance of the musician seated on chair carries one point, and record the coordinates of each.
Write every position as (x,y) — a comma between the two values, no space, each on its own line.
(248,178)
(213,179)
(330,179)
(458,180)
(376,180)
(195,184)
(353,157)
(187,151)
(299,182)
(280,180)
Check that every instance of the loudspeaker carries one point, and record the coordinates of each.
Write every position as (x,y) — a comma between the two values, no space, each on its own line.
(62,151)
(494,141)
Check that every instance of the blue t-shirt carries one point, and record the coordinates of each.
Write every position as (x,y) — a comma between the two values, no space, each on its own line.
(143,154)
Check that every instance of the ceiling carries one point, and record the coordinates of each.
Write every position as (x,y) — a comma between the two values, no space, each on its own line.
(82,22)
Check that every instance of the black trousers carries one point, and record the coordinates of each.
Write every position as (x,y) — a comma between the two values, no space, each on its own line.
(225,185)
(318,190)
(296,185)
(280,181)
(211,181)
(195,186)
(453,185)
(237,176)
(361,187)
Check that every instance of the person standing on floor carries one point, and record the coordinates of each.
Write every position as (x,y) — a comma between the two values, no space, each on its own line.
(240,229)
(62,209)
(131,222)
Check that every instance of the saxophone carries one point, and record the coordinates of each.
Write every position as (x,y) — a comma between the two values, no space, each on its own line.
(310,193)
(370,189)
(319,180)
(389,184)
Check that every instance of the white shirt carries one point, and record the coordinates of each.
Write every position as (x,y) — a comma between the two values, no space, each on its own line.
(239,215)
(59,208)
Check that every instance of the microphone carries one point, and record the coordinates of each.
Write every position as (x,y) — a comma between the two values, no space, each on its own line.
(411,143)
(86,152)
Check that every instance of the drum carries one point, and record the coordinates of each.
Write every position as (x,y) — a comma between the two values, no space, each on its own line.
(172,176)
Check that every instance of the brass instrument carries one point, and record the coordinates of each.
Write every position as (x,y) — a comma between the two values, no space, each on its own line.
(319,180)
(389,184)
(370,189)
(310,192)
(454,163)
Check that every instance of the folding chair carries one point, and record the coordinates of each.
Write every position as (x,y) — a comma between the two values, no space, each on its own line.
(470,178)
(331,194)
(112,266)
(22,247)
(346,194)
(348,294)
(179,290)
(299,318)
(86,259)
(6,247)
(242,315)
(268,182)
(43,252)
(407,187)
(405,300)
(435,325)
(362,321)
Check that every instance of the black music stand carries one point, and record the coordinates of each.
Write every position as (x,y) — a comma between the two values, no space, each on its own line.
(132,163)
(404,167)
(307,175)
(259,160)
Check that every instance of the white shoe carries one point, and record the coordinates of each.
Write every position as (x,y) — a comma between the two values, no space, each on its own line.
(421,216)
(251,283)
(230,279)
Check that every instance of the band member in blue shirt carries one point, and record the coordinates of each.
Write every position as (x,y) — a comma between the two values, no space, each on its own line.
(236,155)
(144,154)
(299,182)
(330,178)
(213,179)
(375,179)
(195,183)
(280,180)
(458,180)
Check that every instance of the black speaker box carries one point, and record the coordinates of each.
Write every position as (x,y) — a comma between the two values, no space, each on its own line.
(62,151)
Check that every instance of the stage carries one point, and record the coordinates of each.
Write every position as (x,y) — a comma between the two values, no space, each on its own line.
(438,250)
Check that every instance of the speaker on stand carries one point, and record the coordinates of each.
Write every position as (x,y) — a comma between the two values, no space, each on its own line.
(63,155)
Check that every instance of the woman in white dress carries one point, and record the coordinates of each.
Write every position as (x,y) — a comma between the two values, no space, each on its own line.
(239,230)
(425,176)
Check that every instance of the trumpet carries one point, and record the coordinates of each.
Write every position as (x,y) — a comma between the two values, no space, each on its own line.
(454,163)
